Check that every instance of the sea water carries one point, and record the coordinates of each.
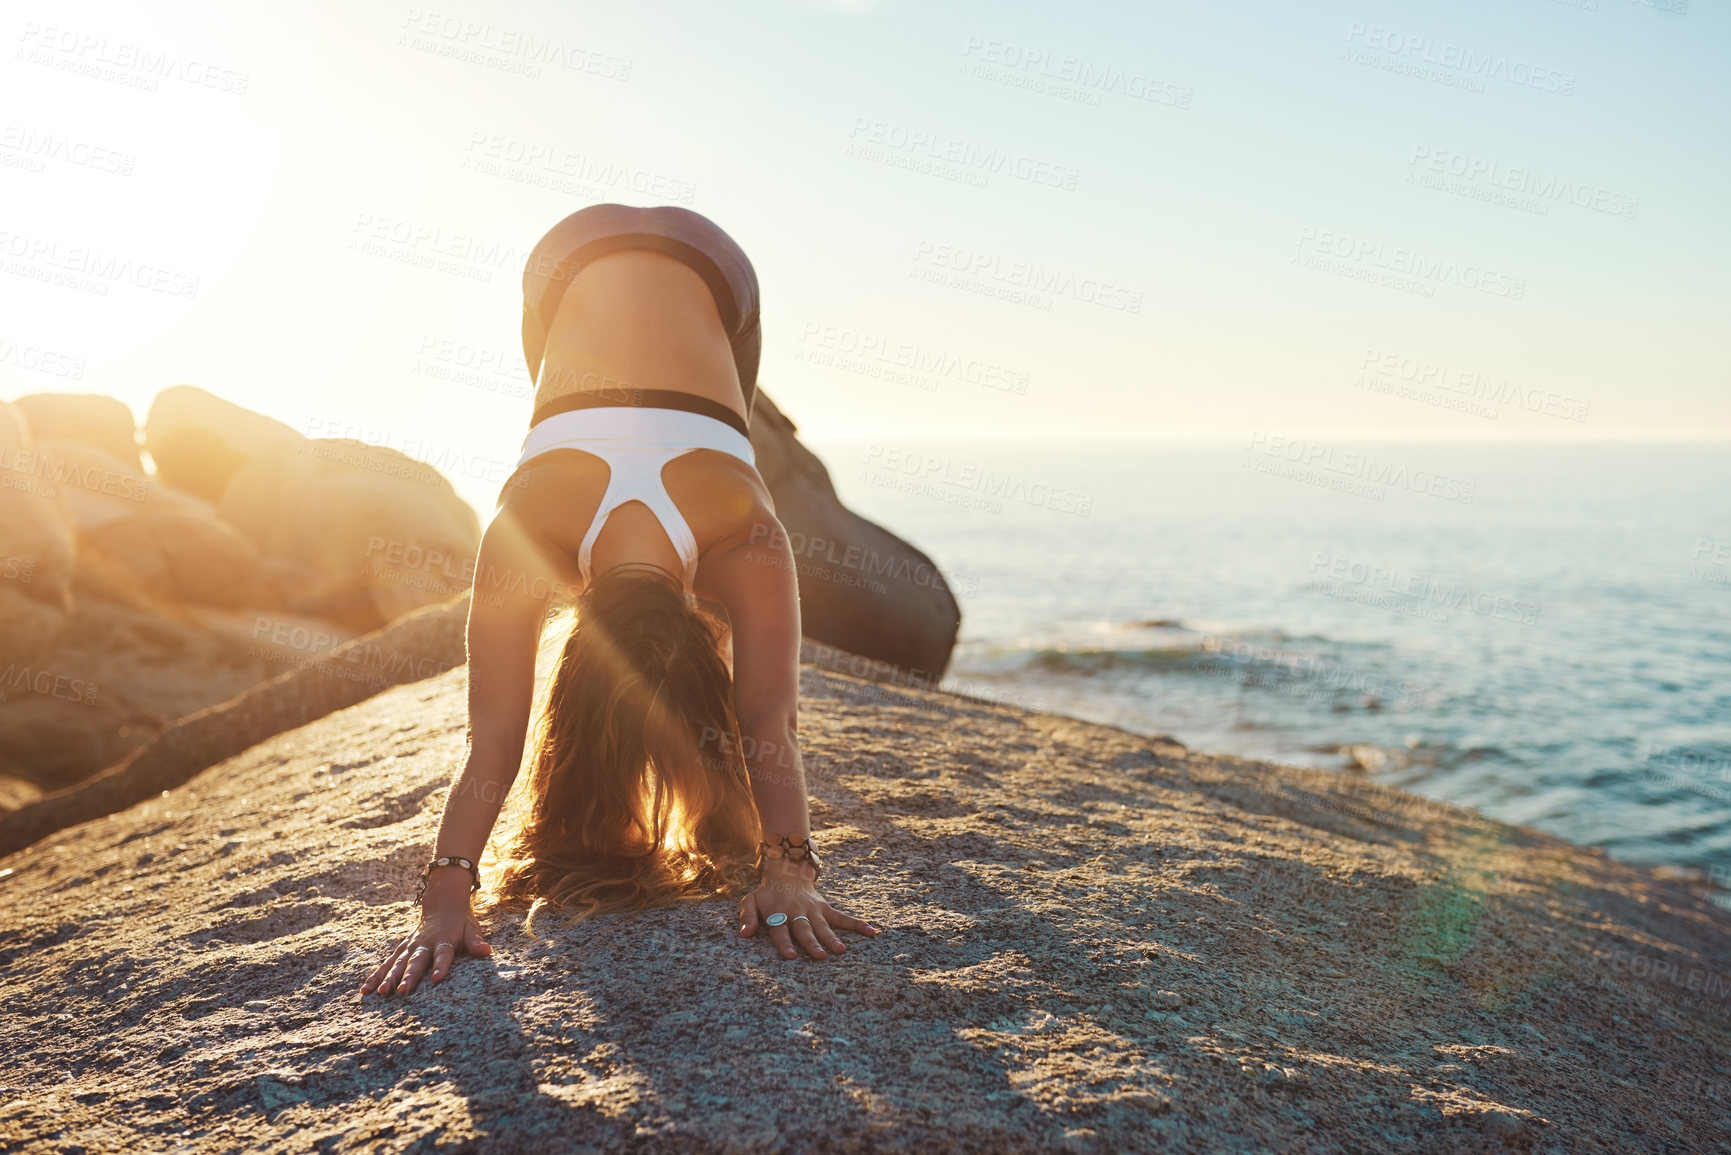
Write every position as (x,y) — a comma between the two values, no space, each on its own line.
(1539,631)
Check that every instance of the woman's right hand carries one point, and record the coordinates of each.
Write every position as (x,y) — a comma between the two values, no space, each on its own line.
(447,926)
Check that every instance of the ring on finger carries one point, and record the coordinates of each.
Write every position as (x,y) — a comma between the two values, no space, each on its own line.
(775,919)
(797,917)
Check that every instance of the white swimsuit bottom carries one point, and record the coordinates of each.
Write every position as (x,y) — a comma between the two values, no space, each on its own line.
(636,443)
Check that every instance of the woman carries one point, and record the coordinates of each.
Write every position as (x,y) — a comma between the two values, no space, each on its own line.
(665,768)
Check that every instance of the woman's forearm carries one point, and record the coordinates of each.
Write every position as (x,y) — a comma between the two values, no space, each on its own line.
(472,808)
(777,781)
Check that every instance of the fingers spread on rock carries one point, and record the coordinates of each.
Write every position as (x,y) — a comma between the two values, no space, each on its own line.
(442,956)
(395,975)
(376,980)
(748,916)
(848,921)
(376,976)
(808,939)
(821,928)
(418,960)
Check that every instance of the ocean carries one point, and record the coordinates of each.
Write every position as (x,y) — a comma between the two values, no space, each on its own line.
(1540,631)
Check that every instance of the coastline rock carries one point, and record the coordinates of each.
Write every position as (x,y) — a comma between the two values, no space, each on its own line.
(37,547)
(198,440)
(167,544)
(1091,941)
(361,534)
(862,589)
(102,422)
(325,677)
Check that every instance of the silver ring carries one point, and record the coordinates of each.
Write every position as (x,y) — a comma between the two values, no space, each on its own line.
(419,950)
(797,917)
(437,945)
(775,919)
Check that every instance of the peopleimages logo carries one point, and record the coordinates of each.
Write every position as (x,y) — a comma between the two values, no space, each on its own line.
(1521,179)
(1470,383)
(880,140)
(1412,263)
(928,472)
(1354,467)
(1457,58)
(1089,78)
(1022,275)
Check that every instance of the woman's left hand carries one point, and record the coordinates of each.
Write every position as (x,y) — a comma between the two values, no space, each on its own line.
(811,921)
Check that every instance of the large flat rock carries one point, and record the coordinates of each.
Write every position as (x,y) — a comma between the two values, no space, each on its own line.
(1094,941)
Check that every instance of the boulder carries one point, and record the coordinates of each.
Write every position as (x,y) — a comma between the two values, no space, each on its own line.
(167,544)
(198,440)
(37,551)
(87,418)
(862,589)
(363,534)
(422,645)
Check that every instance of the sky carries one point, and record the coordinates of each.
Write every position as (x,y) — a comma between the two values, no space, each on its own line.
(1079,221)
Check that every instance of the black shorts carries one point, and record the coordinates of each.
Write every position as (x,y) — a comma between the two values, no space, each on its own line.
(590,233)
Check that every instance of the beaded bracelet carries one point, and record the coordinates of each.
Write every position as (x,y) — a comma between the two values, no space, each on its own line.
(450,860)
(802,851)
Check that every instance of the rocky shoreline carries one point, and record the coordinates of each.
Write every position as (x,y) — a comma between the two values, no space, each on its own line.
(136,594)
(1094,941)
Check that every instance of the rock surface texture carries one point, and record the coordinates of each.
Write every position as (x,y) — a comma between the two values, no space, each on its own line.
(1092,941)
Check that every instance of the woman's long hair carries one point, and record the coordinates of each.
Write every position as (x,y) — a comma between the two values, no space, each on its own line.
(638,795)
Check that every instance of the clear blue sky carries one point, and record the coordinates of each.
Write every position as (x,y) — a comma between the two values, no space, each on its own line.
(1358,220)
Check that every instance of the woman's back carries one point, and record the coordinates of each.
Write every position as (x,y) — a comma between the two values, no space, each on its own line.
(638,319)
(631,321)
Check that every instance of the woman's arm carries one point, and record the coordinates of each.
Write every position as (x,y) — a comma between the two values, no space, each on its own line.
(514,582)
(756,580)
